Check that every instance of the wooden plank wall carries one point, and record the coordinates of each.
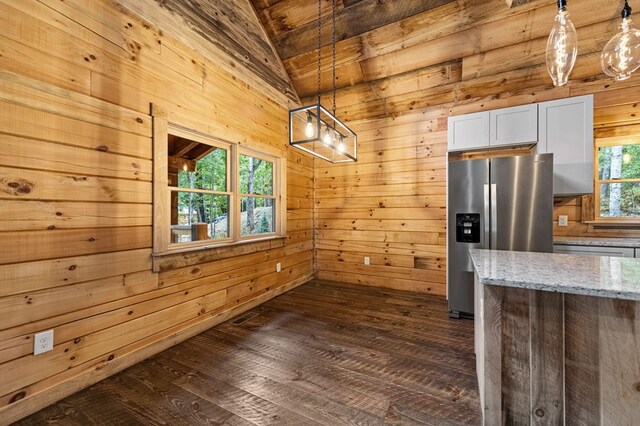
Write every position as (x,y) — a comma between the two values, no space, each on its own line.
(554,358)
(399,76)
(77,78)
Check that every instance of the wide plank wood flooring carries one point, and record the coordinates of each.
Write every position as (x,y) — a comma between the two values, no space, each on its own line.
(321,354)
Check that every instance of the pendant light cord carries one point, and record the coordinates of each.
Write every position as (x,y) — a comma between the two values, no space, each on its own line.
(333,43)
(319,45)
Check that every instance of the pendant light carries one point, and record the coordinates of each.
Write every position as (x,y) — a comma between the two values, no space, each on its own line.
(313,128)
(562,46)
(621,56)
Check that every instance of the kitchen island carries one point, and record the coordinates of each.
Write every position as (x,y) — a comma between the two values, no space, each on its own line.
(557,338)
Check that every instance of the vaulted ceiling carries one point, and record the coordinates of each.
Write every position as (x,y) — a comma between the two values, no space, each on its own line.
(394,56)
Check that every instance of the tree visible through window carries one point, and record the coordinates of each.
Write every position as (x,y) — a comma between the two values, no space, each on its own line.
(618,177)
(256,196)
(200,195)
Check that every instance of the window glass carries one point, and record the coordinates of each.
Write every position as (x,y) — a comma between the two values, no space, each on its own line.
(620,199)
(203,167)
(618,181)
(256,175)
(619,162)
(257,216)
(199,216)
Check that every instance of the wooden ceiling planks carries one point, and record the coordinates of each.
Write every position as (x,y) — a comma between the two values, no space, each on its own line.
(385,50)
(350,22)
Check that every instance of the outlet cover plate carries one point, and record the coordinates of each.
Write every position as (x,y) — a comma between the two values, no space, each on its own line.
(278,267)
(43,342)
(366,260)
(563,220)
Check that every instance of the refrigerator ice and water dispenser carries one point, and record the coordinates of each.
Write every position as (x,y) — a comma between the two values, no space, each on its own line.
(468,228)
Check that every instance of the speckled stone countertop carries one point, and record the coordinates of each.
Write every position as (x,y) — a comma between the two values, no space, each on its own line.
(595,241)
(603,276)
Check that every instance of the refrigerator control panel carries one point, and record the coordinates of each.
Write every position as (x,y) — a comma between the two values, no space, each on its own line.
(468,228)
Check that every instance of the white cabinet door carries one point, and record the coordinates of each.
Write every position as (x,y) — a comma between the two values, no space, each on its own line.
(468,131)
(595,250)
(513,126)
(566,130)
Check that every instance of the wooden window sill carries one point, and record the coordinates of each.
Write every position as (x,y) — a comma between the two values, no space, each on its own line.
(194,255)
(604,223)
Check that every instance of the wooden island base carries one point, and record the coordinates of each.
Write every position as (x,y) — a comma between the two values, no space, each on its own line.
(553,358)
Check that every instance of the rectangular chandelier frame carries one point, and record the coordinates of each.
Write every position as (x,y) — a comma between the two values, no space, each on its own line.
(316,119)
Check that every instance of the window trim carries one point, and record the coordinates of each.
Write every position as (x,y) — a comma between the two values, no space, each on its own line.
(605,142)
(161,190)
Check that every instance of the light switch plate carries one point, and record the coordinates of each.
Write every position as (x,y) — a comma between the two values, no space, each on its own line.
(278,267)
(366,260)
(43,342)
(563,220)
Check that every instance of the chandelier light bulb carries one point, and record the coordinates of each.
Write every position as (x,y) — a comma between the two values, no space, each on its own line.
(621,56)
(327,136)
(309,131)
(341,146)
(562,46)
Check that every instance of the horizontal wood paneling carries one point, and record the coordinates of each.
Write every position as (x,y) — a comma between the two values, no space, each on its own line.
(397,82)
(76,187)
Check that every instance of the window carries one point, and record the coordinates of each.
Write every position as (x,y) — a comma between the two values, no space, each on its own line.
(209,192)
(618,178)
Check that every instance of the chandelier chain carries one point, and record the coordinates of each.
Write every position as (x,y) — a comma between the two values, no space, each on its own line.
(333,53)
(319,45)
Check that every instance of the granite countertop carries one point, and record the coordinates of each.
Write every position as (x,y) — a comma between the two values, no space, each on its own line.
(596,241)
(603,276)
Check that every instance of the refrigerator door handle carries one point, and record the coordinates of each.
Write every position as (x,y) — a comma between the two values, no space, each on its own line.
(487,217)
(494,216)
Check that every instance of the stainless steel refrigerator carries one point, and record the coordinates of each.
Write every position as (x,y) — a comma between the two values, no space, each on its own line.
(499,203)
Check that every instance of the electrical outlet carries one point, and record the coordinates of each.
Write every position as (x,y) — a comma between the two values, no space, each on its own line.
(43,342)
(278,267)
(563,220)
(366,260)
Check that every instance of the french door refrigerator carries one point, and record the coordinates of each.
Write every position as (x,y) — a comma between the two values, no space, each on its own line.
(498,203)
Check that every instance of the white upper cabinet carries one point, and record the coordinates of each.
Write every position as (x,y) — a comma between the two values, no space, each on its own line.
(513,126)
(500,127)
(566,130)
(468,131)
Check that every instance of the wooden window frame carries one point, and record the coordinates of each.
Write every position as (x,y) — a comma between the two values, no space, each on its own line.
(162,245)
(604,142)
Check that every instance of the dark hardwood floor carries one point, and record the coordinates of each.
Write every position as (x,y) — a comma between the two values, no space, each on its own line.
(321,354)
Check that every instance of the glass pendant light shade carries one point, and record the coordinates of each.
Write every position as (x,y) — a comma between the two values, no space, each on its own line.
(621,56)
(309,130)
(562,46)
(327,136)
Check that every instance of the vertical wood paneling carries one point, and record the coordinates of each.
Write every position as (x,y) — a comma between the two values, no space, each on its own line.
(516,368)
(547,354)
(582,370)
(619,334)
(76,163)
(492,359)
(575,362)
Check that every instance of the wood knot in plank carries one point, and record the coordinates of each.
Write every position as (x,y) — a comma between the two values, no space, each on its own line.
(17,397)
(16,187)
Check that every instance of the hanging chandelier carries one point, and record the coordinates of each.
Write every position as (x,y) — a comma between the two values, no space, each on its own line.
(621,56)
(562,46)
(315,129)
